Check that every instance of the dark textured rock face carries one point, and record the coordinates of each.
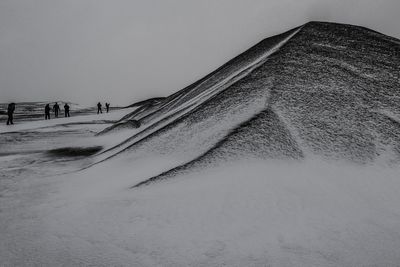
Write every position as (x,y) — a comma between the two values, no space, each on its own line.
(328,90)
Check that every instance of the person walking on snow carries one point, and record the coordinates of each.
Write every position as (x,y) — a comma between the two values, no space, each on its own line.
(99,108)
(66,110)
(56,109)
(107,106)
(10,113)
(47,112)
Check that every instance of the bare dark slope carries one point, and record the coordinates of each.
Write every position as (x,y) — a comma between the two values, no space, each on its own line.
(335,93)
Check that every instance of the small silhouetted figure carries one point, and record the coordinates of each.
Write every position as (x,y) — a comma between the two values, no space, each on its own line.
(107,106)
(10,113)
(66,110)
(47,112)
(56,109)
(99,108)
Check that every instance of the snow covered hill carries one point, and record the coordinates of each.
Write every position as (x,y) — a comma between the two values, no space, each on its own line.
(320,90)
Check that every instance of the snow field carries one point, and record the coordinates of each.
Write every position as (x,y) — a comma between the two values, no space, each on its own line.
(250,213)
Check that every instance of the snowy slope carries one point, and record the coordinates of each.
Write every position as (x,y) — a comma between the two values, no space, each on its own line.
(320,90)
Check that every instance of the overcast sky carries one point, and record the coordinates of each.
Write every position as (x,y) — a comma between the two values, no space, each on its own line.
(123,51)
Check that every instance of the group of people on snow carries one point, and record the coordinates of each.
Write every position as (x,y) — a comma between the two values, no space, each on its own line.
(99,109)
(47,109)
(56,109)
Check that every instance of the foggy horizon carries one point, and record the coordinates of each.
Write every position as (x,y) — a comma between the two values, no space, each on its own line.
(123,52)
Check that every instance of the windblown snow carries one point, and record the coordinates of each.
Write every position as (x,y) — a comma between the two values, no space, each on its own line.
(288,155)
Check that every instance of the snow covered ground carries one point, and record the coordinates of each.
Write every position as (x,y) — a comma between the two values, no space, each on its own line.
(246,213)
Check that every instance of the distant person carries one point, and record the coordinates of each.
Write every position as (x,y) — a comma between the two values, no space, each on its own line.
(99,108)
(107,106)
(10,113)
(56,109)
(47,112)
(66,110)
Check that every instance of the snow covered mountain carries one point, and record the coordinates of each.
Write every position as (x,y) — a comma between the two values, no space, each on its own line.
(320,90)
